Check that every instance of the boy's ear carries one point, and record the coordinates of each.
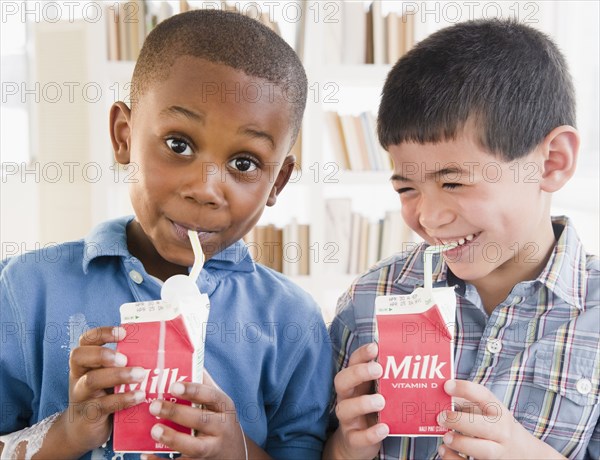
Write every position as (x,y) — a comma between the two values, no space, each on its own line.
(560,149)
(282,179)
(120,131)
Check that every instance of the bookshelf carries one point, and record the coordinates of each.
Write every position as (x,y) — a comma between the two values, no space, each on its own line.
(338,83)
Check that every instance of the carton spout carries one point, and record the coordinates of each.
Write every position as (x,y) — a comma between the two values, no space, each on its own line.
(182,292)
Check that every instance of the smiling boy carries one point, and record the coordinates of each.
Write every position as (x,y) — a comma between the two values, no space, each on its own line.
(217,104)
(479,121)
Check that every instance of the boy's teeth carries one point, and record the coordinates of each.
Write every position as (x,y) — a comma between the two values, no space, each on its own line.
(460,241)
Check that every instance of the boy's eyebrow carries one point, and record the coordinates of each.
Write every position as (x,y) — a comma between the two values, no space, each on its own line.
(398,177)
(256,133)
(199,117)
(177,110)
(436,174)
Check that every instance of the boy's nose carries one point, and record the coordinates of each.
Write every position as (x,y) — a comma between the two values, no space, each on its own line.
(204,185)
(434,213)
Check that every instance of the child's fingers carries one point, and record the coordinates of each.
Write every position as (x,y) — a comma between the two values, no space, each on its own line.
(462,405)
(360,439)
(474,447)
(93,409)
(82,359)
(480,426)
(448,454)
(348,379)
(206,422)
(100,379)
(202,447)
(211,397)
(363,354)
(476,394)
(349,409)
(102,336)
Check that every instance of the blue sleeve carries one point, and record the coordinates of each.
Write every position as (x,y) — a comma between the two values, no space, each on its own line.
(15,394)
(297,429)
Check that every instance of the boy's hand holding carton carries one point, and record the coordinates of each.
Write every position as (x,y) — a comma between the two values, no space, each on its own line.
(482,427)
(93,368)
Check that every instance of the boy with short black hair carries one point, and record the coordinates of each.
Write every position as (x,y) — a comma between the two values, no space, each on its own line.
(479,120)
(217,104)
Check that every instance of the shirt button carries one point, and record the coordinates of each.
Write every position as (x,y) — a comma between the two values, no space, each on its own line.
(584,386)
(136,277)
(494,345)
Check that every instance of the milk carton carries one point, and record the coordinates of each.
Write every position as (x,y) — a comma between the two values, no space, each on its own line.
(166,338)
(415,334)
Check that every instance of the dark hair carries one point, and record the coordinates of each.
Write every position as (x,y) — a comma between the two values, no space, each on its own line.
(507,80)
(228,38)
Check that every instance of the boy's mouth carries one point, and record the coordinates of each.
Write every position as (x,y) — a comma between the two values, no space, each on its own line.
(182,231)
(459,241)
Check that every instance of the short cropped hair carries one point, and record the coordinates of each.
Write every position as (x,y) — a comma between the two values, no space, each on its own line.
(228,38)
(507,80)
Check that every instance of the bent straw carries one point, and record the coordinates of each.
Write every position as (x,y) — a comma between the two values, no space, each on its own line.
(198,254)
(427,258)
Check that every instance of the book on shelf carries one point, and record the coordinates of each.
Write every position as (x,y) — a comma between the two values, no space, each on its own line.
(304,248)
(373,240)
(366,156)
(290,254)
(354,33)
(113,34)
(369,144)
(354,143)
(379,32)
(366,36)
(123,31)
(338,228)
(369,46)
(285,250)
(360,242)
(408,32)
(301,31)
(129,22)
(296,150)
(394,44)
(355,229)
(335,133)
(363,245)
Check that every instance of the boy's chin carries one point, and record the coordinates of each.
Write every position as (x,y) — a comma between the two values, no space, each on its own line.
(469,271)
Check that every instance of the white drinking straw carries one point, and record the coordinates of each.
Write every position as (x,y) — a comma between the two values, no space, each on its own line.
(427,258)
(198,254)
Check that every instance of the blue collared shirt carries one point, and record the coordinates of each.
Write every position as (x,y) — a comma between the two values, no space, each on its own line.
(267,346)
(538,352)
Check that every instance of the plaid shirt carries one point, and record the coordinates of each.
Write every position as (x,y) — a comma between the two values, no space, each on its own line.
(548,369)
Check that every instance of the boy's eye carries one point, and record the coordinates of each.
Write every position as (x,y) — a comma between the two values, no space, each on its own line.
(400,191)
(451,186)
(179,146)
(243,164)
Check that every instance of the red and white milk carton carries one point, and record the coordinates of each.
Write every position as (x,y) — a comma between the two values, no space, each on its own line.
(166,338)
(416,350)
